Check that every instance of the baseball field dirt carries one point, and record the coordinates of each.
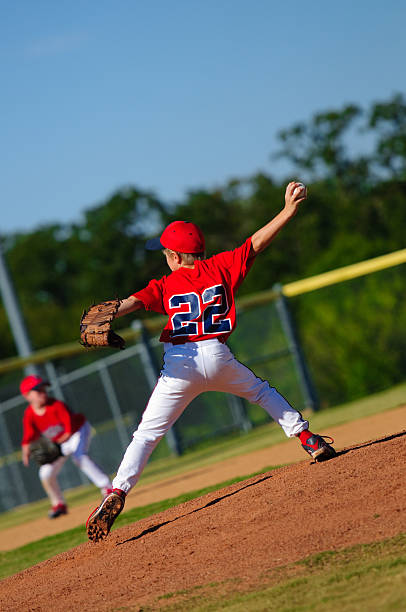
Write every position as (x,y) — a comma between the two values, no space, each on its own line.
(231,537)
(286,452)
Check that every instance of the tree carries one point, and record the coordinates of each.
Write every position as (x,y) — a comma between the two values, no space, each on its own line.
(59,270)
(318,147)
(388,120)
(355,210)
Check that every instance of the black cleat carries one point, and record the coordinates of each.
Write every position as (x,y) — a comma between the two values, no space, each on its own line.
(318,448)
(57,510)
(99,523)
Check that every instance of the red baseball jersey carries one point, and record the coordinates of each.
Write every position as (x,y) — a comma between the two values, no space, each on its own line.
(56,420)
(200,302)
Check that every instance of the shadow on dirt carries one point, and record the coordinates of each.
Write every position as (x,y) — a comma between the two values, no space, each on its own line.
(219,499)
(210,503)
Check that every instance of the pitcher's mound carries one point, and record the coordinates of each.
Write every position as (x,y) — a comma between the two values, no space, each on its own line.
(240,531)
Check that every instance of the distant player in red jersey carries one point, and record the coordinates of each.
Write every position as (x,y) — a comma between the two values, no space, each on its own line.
(53,419)
(199,299)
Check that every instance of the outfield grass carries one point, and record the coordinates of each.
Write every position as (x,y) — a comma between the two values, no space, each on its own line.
(219,449)
(368,577)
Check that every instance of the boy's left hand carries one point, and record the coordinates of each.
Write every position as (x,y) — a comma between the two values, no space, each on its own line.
(45,451)
(95,325)
(26,454)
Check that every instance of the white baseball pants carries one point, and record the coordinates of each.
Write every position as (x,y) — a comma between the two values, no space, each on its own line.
(76,447)
(190,369)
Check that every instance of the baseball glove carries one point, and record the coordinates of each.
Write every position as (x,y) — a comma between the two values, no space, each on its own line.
(43,450)
(95,325)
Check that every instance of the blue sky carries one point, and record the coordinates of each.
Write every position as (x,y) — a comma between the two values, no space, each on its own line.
(173,95)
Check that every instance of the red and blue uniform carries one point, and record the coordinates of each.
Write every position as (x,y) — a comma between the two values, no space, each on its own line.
(199,301)
(56,420)
(200,304)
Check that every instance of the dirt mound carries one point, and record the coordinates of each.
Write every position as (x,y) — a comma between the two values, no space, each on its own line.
(237,532)
(289,451)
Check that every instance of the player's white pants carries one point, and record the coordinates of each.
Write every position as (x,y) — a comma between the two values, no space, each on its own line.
(76,447)
(190,369)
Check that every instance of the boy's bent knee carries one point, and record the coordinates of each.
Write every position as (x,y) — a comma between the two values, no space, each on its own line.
(45,472)
(77,458)
(263,392)
(148,437)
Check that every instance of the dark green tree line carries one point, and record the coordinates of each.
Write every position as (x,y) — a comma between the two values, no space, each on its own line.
(353,161)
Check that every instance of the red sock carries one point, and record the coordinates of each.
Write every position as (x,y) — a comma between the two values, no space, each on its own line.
(120,492)
(305,435)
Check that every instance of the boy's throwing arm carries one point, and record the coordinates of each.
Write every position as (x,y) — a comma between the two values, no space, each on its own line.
(264,236)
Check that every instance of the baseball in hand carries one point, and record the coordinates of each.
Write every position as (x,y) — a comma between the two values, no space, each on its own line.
(301,191)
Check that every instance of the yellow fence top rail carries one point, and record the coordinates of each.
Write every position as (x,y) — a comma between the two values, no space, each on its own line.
(155,324)
(346,273)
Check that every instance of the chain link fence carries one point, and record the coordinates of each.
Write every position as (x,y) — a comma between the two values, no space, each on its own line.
(353,334)
(112,390)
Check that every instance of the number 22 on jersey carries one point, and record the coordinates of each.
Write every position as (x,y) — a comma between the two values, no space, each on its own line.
(209,313)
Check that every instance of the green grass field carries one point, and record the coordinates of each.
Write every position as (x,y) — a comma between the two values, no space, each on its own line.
(367,577)
(370,577)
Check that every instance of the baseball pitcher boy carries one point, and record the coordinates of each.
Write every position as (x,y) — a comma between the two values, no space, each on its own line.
(199,298)
(49,418)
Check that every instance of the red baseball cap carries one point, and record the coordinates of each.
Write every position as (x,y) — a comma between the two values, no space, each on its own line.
(180,236)
(31,382)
